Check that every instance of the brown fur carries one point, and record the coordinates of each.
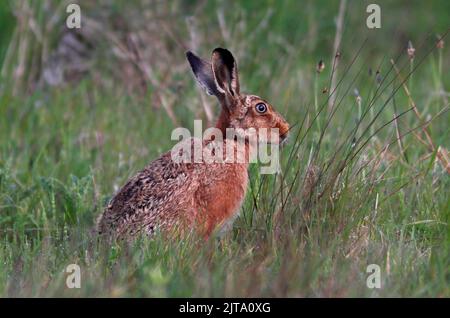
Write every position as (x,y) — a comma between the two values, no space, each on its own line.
(167,195)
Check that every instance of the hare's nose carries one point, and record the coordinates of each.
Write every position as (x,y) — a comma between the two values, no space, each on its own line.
(284,129)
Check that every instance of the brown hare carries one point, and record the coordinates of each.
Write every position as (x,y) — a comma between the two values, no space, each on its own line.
(199,196)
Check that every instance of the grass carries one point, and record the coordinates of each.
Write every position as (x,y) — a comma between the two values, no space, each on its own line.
(349,195)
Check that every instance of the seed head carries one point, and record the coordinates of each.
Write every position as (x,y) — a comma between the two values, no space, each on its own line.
(357,95)
(378,77)
(320,66)
(410,50)
(440,42)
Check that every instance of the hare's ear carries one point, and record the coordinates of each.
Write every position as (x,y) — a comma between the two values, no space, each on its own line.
(204,74)
(225,72)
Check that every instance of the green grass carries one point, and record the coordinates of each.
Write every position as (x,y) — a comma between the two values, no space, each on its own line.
(65,150)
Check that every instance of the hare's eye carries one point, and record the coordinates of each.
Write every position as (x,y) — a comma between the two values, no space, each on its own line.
(261,108)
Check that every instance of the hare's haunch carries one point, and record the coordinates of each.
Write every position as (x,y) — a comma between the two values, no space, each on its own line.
(167,194)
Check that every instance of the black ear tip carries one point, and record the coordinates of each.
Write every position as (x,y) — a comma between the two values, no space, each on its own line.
(221,51)
(189,55)
(224,54)
(192,58)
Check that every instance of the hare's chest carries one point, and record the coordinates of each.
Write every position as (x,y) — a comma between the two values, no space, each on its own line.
(221,197)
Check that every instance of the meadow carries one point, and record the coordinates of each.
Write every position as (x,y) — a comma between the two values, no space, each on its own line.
(365,174)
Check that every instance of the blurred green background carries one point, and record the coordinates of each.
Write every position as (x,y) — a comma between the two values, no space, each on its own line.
(82,110)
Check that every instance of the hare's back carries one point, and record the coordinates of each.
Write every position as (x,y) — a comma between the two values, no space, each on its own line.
(153,197)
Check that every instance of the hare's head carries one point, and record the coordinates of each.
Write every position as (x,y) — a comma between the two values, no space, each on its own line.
(220,78)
